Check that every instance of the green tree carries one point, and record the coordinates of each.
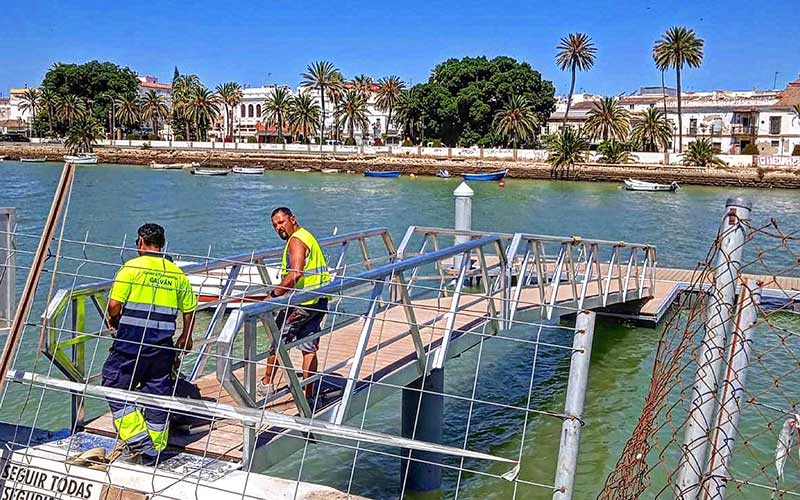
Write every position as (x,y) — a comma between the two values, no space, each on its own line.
(650,130)
(183,89)
(607,119)
(516,121)
(304,115)
(363,84)
(614,152)
(389,90)
(83,134)
(576,52)
(565,149)
(678,47)
(154,108)
(30,103)
(202,110)
(71,108)
(352,112)
(409,113)
(49,101)
(321,76)
(701,154)
(276,110)
(231,95)
(128,111)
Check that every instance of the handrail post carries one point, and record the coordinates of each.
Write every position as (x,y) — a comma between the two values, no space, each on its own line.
(721,302)
(78,326)
(250,375)
(573,407)
(8,266)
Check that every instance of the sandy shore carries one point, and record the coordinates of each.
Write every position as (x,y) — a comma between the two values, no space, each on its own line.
(738,176)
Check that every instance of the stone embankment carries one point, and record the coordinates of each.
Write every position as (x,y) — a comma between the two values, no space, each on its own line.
(734,176)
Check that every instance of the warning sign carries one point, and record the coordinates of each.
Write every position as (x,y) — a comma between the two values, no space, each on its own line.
(23,482)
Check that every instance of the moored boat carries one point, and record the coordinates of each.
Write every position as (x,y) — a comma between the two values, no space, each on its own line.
(491,176)
(383,173)
(2,158)
(34,160)
(85,158)
(173,166)
(330,170)
(255,170)
(636,185)
(303,170)
(443,173)
(209,171)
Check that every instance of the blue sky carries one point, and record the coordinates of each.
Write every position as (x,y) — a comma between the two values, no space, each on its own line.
(260,42)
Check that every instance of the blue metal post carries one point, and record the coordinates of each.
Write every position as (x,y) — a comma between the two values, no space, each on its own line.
(422,418)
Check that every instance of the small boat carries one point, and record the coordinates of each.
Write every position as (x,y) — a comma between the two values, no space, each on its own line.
(81,159)
(635,185)
(384,173)
(2,158)
(303,170)
(173,166)
(209,171)
(330,170)
(34,160)
(256,170)
(444,174)
(491,176)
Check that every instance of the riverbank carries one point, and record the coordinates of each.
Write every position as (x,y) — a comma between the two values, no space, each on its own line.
(755,177)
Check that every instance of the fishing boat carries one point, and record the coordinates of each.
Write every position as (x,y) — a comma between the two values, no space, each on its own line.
(81,159)
(256,170)
(173,166)
(384,173)
(2,158)
(443,173)
(303,170)
(330,170)
(209,171)
(635,185)
(491,176)
(34,160)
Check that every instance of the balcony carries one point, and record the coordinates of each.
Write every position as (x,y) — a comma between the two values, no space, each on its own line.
(739,129)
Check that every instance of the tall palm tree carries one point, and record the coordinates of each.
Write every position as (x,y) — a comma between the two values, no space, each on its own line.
(82,135)
(276,110)
(576,52)
(408,113)
(608,119)
(231,95)
(516,120)
(335,92)
(183,89)
(202,110)
(70,108)
(390,89)
(352,111)
(363,84)
(650,130)
(128,111)
(678,47)
(321,76)
(304,115)
(49,101)
(30,102)
(153,108)
(565,149)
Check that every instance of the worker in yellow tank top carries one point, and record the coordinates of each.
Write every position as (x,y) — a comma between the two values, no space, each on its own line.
(303,268)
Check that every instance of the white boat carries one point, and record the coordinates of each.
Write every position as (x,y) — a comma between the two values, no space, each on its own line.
(302,170)
(173,166)
(2,158)
(330,170)
(209,171)
(444,174)
(635,185)
(34,160)
(249,287)
(256,170)
(81,159)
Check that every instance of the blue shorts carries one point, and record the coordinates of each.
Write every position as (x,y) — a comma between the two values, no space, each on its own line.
(299,322)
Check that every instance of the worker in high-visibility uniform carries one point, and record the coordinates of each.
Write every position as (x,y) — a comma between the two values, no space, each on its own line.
(148,293)
(303,268)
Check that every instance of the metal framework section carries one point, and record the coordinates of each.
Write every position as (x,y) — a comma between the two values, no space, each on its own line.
(8,267)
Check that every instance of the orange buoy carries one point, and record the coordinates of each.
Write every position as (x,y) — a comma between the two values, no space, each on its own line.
(501,184)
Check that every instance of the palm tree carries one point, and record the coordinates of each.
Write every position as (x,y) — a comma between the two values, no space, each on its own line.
(321,76)
(30,102)
(701,154)
(408,113)
(614,152)
(183,89)
(276,110)
(82,135)
(363,84)
(607,119)
(576,52)
(796,111)
(565,149)
(71,108)
(231,95)
(128,111)
(304,115)
(516,121)
(202,110)
(49,101)
(651,129)
(390,89)
(153,108)
(677,47)
(352,112)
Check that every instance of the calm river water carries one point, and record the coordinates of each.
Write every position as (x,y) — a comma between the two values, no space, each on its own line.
(227,215)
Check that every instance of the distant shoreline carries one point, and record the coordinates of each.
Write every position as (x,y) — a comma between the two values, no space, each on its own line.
(751,177)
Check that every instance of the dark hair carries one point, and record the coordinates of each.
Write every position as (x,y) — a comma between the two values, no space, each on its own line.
(286,211)
(152,235)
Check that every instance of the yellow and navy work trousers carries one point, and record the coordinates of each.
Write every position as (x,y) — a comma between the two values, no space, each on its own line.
(144,430)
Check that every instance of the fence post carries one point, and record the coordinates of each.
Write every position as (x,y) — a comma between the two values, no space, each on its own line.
(731,393)
(721,302)
(573,408)
(463,217)
(422,417)
(8,267)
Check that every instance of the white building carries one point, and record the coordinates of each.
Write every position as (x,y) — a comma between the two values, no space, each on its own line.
(147,83)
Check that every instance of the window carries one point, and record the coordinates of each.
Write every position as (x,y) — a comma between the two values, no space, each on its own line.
(775,144)
(716,126)
(249,110)
(774,124)
(693,125)
(258,110)
(630,106)
(242,111)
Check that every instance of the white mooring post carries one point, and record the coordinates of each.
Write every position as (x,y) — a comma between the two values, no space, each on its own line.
(573,408)
(463,217)
(731,393)
(8,275)
(721,302)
